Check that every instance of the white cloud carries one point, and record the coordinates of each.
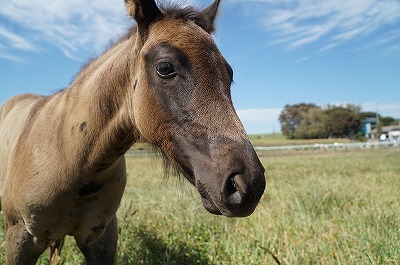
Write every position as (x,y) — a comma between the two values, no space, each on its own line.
(297,23)
(390,40)
(76,25)
(263,120)
(71,26)
(10,57)
(15,40)
(259,115)
(328,47)
(385,109)
(391,109)
(302,59)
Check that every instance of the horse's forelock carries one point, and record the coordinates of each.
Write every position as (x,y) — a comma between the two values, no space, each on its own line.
(188,13)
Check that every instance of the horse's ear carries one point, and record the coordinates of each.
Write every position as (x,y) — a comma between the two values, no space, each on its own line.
(143,11)
(211,11)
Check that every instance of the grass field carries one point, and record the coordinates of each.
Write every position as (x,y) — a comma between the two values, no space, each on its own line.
(278,139)
(320,207)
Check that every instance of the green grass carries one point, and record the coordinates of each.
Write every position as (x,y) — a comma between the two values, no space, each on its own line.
(278,139)
(320,207)
(272,139)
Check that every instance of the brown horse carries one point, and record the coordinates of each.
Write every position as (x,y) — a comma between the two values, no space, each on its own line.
(62,167)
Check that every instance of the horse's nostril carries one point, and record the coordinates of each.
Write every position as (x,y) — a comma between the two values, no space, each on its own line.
(235,198)
(235,188)
(239,184)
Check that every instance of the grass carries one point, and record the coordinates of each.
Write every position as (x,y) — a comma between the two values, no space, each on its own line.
(321,207)
(278,139)
(272,139)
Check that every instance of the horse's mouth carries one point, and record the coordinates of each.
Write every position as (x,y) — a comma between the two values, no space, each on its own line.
(227,187)
(208,202)
(235,207)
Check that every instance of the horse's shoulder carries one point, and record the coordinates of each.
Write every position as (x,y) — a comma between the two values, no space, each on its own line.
(18,101)
(14,114)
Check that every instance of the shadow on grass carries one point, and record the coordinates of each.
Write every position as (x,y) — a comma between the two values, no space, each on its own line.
(151,249)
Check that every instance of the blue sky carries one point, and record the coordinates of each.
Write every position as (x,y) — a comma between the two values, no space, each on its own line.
(282,51)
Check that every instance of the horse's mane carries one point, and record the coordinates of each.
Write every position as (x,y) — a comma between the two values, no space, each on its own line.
(171,11)
(188,13)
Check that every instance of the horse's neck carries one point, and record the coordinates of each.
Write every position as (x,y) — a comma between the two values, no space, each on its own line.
(99,106)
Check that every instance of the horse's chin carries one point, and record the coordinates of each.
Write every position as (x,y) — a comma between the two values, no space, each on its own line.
(208,202)
(218,208)
(210,206)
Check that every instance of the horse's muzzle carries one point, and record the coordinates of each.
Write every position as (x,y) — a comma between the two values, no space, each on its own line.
(237,196)
(227,174)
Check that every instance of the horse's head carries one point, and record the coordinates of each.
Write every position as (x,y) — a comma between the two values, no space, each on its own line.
(181,102)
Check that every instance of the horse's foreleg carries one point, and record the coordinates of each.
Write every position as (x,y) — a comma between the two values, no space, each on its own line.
(55,251)
(21,246)
(100,250)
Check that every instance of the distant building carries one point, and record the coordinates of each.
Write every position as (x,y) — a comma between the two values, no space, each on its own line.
(369,123)
(391,133)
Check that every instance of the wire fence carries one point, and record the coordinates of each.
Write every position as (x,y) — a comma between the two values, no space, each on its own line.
(317,146)
(334,146)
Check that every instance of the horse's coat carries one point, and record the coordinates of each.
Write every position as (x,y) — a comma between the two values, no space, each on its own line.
(62,166)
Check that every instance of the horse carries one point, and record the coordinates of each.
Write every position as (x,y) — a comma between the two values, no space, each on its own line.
(62,165)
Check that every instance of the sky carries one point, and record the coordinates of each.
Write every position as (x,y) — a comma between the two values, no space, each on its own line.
(282,51)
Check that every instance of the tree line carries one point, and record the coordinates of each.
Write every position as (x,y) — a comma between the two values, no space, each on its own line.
(309,121)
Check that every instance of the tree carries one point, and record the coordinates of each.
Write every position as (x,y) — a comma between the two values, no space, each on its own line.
(342,122)
(388,121)
(313,125)
(355,108)
(292,116)
(368,114)
(384,120)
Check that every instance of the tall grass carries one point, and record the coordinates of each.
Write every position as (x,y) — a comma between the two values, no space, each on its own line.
(320,207)
(278,139)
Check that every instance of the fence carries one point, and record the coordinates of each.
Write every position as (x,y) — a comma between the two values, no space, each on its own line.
(334,146)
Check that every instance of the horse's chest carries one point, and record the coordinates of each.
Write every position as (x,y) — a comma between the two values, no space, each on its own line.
(75,212)
(97,203)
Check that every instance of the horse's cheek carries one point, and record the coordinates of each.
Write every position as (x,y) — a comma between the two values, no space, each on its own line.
(150,119)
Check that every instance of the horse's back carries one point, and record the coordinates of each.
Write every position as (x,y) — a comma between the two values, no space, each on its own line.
(13,116)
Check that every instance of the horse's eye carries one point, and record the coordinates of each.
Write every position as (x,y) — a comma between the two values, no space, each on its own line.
(165,70)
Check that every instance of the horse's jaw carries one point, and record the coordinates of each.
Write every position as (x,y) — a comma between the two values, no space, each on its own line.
(228,175)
